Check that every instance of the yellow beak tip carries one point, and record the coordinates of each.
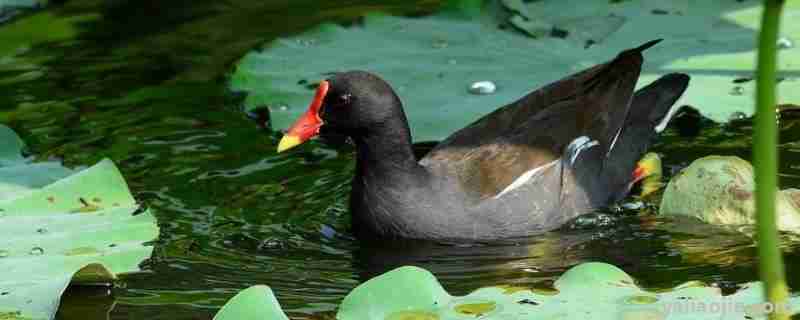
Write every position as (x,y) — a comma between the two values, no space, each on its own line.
(288,142)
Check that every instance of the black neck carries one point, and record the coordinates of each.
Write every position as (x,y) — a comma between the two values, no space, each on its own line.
(385,151)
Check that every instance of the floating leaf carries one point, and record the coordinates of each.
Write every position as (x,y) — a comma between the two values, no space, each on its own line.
(11,148)
(587,291)
(45,246)
(21,3)
(8,8)
(256,302)
(431,62)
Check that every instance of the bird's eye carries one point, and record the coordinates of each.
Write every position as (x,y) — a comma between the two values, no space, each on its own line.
(334,102)
(344,98)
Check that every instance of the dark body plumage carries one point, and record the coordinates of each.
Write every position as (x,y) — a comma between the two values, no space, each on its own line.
(526,168)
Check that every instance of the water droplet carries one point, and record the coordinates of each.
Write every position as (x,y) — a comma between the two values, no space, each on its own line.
(738,115)
(591,221)
(283,107)
(41,231)
(737,91)
(36,251)
(785,43)
(452,61)
(3,253)
(270,244)
(634,205)
(482,87)
(440,44)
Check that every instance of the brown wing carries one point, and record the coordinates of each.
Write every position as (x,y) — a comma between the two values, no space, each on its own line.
(489,154)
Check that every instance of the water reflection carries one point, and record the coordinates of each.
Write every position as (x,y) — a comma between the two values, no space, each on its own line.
(139,87)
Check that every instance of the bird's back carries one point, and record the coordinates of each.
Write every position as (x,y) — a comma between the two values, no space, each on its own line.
(556,153)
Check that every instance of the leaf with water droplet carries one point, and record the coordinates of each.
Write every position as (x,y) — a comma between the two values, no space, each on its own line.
(482,88)
(41,200)
(587,291)
(437,106)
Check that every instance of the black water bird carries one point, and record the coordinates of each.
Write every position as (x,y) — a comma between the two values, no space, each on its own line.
(563,150)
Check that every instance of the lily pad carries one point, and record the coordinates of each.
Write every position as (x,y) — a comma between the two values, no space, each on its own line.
(11,149)
(712,41)
(588,291)
(21,3)
(432,61)
(721,190)
(256,302)
(10,8)
(62,227)
(13,4)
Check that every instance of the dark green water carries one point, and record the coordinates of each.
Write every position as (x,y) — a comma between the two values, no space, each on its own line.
(143,83)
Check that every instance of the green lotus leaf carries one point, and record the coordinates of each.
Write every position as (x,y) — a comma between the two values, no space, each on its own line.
(432,61)
(11,148)
(406,289)
(256,302)
(587,291)
(6,6)
(21,3)
(63,227)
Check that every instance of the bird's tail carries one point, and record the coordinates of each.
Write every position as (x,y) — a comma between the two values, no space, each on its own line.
(649,108)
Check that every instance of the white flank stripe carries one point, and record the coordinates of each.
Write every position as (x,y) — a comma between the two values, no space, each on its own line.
(613,142)
(525,177)
(664,122)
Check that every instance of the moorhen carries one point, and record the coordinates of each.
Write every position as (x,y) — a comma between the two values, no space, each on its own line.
(529,167)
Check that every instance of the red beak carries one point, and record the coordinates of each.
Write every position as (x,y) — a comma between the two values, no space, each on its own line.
(307,126)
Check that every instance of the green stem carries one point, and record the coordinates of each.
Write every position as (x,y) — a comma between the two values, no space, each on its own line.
(766,160)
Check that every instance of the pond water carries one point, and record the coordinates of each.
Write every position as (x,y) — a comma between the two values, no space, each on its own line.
(143,83)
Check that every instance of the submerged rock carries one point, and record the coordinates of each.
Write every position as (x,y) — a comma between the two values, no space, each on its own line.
(721,190)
